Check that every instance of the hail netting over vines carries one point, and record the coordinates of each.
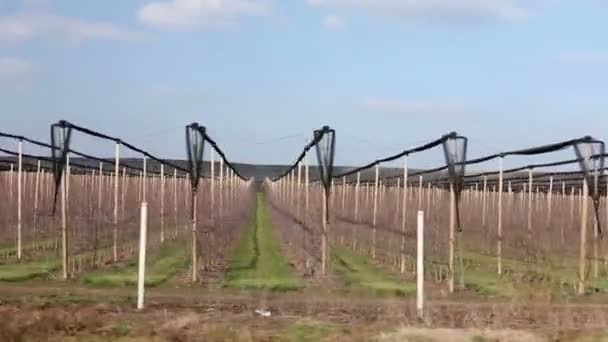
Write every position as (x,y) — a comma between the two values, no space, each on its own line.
(305,203)
(95,219)
(522,221)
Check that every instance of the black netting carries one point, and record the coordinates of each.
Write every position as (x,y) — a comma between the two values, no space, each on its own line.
(60,145)
(590,156)
(195,145)
(326,141)
(455,150)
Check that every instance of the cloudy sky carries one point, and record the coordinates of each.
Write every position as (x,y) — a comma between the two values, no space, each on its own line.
(262,74)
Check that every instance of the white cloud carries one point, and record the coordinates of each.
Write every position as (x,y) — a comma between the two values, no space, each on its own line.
(28,25)
(188,14)
(334,22)
(433,11)
(14,67)
(410,107)
(584,58)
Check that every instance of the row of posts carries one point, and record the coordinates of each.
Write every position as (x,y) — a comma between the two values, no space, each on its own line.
(289,191)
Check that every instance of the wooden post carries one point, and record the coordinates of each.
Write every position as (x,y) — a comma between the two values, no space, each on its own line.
(499,228)
(563,207)
(64,221)
(375,211)
(116,175)
(452,238)
(305,236)
(306,182)
(530,204)
(484,201)
(357,186)
(298,191)
(343,195)
(583,241)
(213,185)
(420,266)
(232,180)
(596,257)
(290,192)
(325,218)
(428,197)
(36,198)
(162,203)
(141,274)
(68,171)
(404,215)
(19,195)
(419,192)
(366,201)
(123,191)
(10,183)
(397,191)
(194,250)
(144,182)
(222,188)
(549,201)
(175,200)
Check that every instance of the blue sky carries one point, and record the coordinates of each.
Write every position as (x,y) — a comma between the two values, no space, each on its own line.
(262,74)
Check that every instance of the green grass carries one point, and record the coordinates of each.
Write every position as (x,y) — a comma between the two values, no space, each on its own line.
(162,265)
(12,249)
(28,270)
(522,279)
(308,331)
(257,262)
(359,275)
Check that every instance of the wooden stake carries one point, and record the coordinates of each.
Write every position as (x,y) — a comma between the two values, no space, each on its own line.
(357,186)
(36,198)
(141,274)
(375,211)
(222,188)
(64,220)
(175,200)
(325,220)
(123,192)
(116,175)
(549,201)
(19,195)
(162,203)
(144,182)
(343,195)
(452,238)
(298,190)
(583,241)
(213,185)
(499,228)
(194,237)
(530,204)
(306,182)
(484,199)
(419,192)
(404,215)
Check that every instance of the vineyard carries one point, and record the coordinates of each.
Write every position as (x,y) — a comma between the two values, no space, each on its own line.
(138,245)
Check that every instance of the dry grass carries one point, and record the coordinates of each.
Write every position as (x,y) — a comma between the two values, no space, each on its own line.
(459,335)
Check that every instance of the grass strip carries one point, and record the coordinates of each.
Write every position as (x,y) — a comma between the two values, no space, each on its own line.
(29,270)
(164,264)
(359,275)
(257,262)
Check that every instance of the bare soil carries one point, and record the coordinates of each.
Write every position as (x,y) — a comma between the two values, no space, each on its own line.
(35,312)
